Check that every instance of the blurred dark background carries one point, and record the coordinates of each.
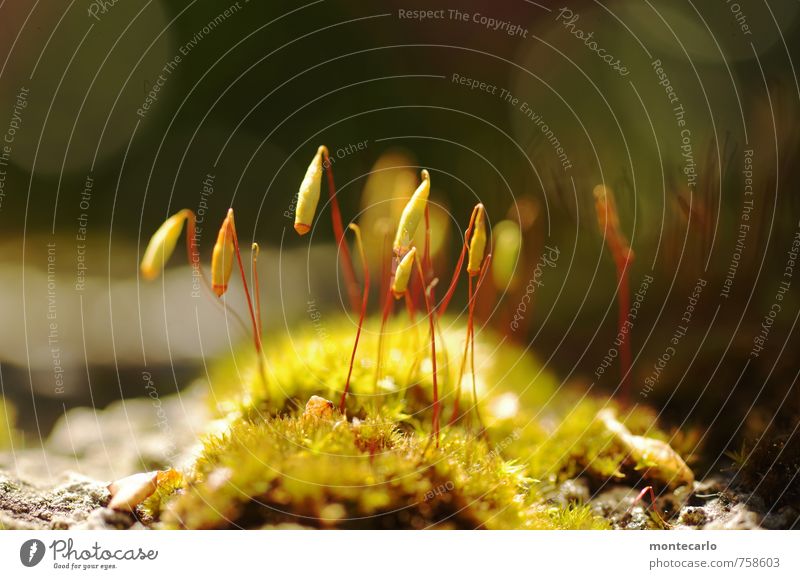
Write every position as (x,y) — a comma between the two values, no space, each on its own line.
(260,84)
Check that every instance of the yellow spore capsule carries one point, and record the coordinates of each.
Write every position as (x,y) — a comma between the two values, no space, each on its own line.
(477,244)
(162,245)
(506,250)
(223,256)
(308,196)
(403,273)
(412,214)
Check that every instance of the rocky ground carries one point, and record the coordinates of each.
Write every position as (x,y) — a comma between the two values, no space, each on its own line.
(63,485)
(713,505)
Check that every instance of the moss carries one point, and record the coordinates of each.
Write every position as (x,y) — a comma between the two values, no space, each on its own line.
(272,466)
(316,363)
(168,484)
(572,443)
(336,474)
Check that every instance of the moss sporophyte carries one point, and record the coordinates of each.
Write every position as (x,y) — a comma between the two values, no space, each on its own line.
(283,453)
(621,252)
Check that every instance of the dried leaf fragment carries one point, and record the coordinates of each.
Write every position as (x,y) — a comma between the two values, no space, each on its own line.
(128,492)
(659,459)
(318,408)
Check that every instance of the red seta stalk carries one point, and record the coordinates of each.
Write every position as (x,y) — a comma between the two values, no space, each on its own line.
(427,266)
(608,220)
(364,299)
(641,495)
(457,272)
(469,344)
(471,330)
(410,308)
(436,407)
(386,281)
(254,251)
(623,261)
(338,232)
(387,310)
(457,401)
(426,253)
(256,328)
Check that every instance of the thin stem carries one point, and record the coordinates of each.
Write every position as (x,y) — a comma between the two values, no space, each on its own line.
(457,401)
(640,496)
(427,264)
(457,272)
(473,296)
(256,332)
(387,310)
(426,254)
(471,339)
(412,315)
(443,351)
(338,232)
(608,219)
(436,408)
(415,289)
(255,250)
(364,299)
(410,308)
(623,304)
(469,345)
(386,281)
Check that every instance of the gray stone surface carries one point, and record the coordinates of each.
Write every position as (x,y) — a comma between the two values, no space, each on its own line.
(40,487)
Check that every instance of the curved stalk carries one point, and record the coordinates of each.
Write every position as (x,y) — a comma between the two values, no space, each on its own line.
(457,272)
(387,310)
(623,305)
(338,232)
(469,344)
(364,299)
(436,408)
(256,329)
(471,331)
(254,251)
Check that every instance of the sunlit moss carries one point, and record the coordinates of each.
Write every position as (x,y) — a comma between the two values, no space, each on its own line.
(315,362)
(376,467)
(335,474)
(574,443)
(369,475)
(168,484)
